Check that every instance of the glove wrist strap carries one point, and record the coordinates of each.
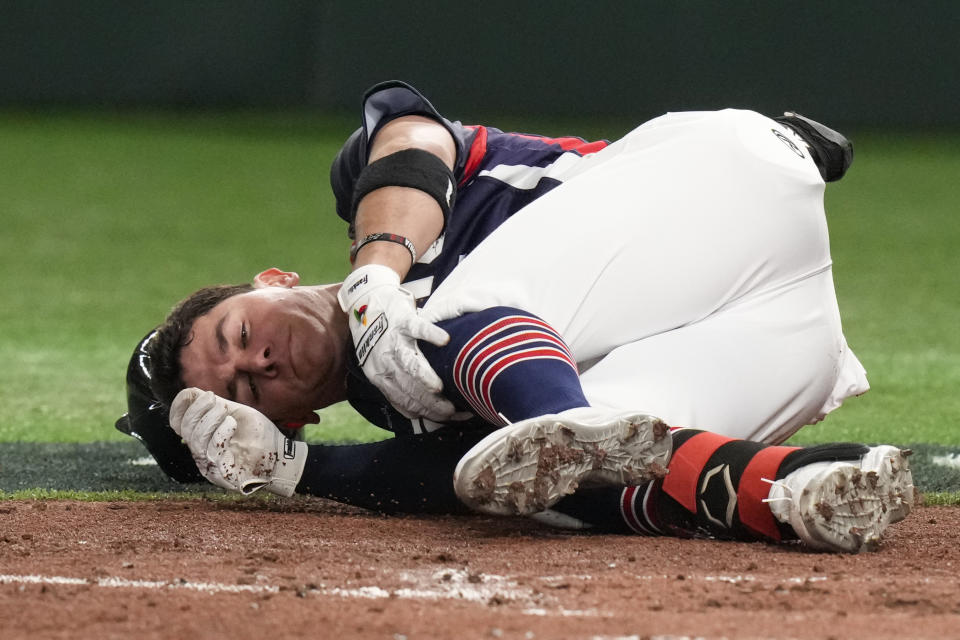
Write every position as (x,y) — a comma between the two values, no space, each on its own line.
(363,281)
(291,460)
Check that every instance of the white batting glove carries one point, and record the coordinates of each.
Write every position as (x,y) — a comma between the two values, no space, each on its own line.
(235,446)
(385,326)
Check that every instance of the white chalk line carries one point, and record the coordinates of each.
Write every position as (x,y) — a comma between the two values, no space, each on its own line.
(123,583)
(423,585)
(145,461)
(458,584)
(443,584)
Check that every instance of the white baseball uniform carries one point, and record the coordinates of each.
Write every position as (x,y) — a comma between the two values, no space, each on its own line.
(688,268)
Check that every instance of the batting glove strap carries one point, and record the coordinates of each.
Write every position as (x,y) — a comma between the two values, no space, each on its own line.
(362,282)
(290,461)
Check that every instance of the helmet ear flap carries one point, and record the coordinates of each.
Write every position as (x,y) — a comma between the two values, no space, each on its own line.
(147,419)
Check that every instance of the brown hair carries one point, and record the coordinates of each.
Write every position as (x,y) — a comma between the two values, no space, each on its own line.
(175,333)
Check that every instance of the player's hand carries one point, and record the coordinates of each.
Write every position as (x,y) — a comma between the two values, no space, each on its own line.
(235,446)
(385,327)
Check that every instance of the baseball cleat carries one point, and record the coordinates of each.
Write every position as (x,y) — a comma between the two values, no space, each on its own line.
(528,466)
(846,506)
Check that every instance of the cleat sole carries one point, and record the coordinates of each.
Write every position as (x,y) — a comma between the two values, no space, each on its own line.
(527,467)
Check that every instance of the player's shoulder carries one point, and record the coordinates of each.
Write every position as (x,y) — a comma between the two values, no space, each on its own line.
(382,103)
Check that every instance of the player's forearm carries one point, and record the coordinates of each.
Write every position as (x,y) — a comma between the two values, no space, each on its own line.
(405,211)
(402,211)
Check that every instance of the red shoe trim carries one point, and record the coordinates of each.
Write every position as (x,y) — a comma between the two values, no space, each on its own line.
(685,467)
(754,513)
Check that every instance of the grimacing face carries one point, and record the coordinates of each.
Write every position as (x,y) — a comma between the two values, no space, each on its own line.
(278,349)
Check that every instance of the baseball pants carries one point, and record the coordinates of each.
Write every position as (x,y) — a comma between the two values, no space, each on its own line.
(687,266)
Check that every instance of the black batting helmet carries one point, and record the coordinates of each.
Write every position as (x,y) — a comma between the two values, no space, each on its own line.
(147,419)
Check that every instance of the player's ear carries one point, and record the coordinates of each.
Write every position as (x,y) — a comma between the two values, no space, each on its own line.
(274,277)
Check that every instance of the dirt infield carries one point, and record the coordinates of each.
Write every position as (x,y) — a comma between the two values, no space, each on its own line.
(307,568)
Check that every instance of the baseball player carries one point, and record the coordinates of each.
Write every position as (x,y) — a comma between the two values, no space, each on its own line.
(682,272)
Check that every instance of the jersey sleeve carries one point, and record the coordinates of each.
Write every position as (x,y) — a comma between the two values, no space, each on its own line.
(397,475)
(382,103)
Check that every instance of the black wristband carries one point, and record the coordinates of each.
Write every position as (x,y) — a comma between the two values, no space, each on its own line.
(413,168)
(384,237)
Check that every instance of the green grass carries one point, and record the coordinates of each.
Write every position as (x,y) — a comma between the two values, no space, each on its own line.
(109,218)
(941,499)
(895,233)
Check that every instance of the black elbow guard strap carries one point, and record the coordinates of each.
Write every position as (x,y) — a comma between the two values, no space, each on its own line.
(414,168)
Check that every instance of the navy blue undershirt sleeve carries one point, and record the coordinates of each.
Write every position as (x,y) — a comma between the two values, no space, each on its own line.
(411,474)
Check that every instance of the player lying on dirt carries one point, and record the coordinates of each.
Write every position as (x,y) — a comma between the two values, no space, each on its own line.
(561,303)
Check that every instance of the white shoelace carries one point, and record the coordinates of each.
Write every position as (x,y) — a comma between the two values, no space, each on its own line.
(777,483)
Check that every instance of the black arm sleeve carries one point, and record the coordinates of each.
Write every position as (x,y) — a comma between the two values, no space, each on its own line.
(400,475)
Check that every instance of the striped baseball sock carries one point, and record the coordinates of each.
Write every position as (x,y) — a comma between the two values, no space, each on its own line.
(506,365)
